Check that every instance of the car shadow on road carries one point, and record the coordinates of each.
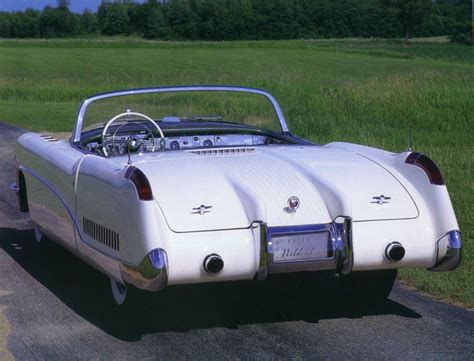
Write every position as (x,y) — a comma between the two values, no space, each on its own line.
(179,309)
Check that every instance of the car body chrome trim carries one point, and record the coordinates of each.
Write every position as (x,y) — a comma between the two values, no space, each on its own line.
(451,260)
(341,261)
(151,274)
(177,89)
(14,187)
(201,210)
(381,200)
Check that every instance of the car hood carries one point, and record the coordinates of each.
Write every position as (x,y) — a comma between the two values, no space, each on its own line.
(240,186)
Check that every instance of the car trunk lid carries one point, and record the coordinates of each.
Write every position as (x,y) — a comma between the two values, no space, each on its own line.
(230,190)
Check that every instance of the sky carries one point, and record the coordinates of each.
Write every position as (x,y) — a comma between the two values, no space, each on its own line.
(77,6)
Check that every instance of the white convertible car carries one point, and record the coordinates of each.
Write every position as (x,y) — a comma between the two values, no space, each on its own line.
(180,185)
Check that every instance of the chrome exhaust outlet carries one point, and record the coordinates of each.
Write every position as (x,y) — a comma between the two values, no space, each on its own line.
(395,252)
(213,263)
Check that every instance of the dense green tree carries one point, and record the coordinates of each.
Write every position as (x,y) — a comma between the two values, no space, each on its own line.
(25,24)
(215,19)
(58,22)
(462,29)
(5,25)
(389,26)
(182,20)
(410,14)
(249,19)
(113,19)
(89,23)
(281,20)
(240,16)
(156,26)
(462,33)
(137,15)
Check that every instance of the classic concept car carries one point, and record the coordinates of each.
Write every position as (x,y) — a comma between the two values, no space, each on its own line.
(180,185)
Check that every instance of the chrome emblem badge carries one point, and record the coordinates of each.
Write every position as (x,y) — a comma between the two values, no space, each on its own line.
(202,210)
(381,199)
(293,204)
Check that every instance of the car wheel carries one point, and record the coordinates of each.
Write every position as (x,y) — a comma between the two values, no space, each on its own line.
(119,291)
(369,285)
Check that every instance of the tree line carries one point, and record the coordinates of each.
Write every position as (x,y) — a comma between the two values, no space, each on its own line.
(247,19)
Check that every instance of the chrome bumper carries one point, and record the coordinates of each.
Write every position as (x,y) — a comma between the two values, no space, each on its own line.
(151,274)
(340,257)
(450,261)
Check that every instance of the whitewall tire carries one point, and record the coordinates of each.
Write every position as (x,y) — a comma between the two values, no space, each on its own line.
(38,235)
(119,291)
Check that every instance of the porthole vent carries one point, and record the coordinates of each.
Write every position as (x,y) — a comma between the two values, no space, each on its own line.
(101,234)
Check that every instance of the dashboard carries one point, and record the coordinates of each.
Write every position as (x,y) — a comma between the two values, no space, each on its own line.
(207,141)
(117,145)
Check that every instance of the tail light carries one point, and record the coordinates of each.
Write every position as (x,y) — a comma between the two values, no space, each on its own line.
(141,183)
(430,168)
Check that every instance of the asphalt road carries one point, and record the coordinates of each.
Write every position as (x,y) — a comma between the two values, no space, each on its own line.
(53,306)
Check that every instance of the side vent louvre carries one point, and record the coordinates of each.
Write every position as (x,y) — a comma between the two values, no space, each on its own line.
(101,234)
(48,138)
(223,151)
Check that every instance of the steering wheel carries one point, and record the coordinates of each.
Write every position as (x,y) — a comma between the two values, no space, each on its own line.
(129,113)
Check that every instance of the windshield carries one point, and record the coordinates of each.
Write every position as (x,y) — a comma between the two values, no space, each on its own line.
(224,106)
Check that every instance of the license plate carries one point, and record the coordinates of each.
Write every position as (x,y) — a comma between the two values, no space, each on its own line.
(301,247)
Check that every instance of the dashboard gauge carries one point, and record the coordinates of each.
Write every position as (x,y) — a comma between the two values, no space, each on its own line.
(207,143)
(174,145)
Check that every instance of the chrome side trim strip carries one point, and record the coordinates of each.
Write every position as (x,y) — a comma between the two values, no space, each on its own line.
(14,187)
(198,88)
(453,256)
(58,194)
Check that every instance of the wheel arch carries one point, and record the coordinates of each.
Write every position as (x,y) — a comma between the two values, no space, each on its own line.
(22,193)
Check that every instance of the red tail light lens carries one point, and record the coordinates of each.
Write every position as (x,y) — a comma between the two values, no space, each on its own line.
(141,183)
(430,168)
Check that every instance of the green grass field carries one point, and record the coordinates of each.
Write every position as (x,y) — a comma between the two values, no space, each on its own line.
(371,92)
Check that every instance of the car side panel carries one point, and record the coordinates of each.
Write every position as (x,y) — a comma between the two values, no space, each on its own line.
(49,168)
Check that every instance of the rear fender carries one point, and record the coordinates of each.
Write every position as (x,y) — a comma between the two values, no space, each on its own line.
(437,217)
(112,218)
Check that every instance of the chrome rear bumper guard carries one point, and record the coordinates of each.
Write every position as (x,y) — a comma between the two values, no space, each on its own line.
(339,259)
(151,274)
(451,260)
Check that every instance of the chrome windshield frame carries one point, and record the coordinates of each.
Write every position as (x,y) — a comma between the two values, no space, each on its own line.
(76,136)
